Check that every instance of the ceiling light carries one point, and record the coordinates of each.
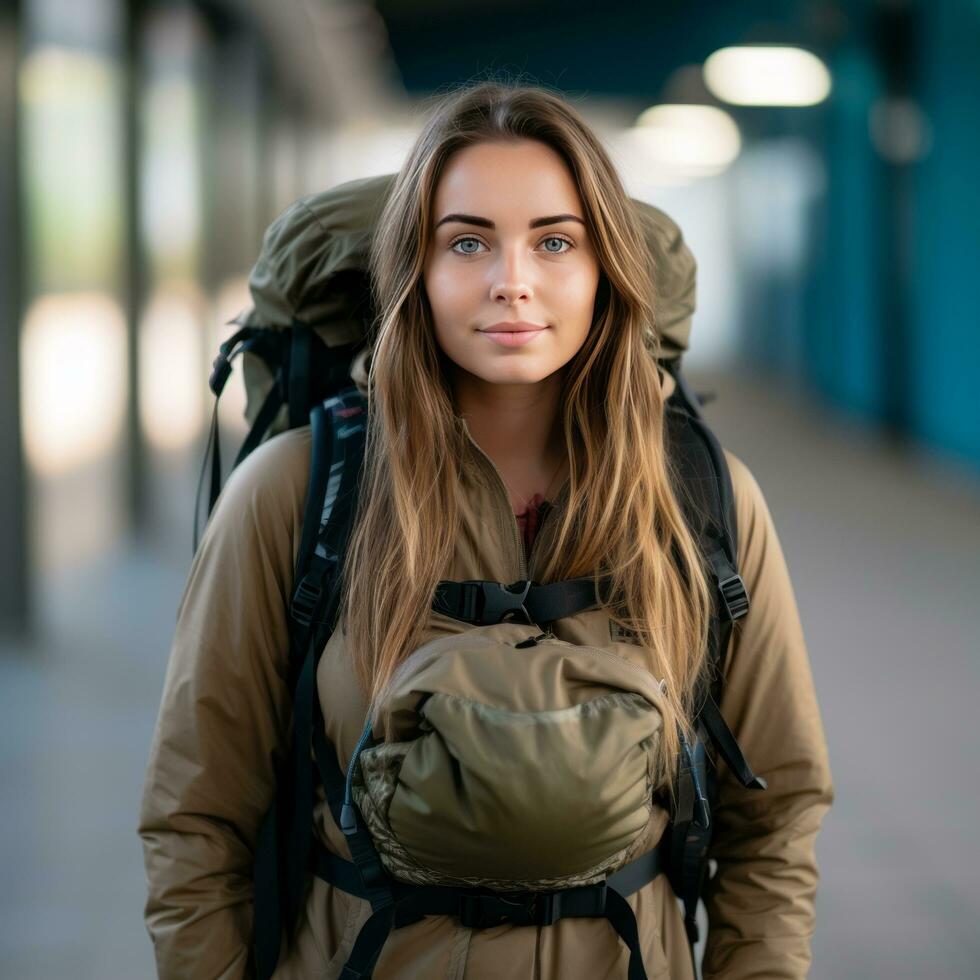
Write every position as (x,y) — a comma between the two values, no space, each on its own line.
(687,140)
(767,75)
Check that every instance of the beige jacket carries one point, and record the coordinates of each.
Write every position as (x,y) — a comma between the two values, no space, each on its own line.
(224,722)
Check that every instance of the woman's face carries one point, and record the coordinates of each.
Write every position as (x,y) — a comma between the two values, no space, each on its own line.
(509,244)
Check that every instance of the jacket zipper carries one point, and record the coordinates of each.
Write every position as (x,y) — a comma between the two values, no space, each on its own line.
(522,558)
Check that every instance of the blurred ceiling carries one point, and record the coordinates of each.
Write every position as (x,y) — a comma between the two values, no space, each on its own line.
(350,59)
(617,48)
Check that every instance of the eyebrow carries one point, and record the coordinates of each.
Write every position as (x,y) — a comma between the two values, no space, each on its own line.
(472,219)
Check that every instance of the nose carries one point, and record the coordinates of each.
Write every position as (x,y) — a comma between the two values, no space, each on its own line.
(511,286)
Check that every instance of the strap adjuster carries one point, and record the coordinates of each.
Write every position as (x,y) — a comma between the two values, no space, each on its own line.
(480,910)
(484,602)
(735,596)
(221,369)
(546,908)
(305,600)
(500,600)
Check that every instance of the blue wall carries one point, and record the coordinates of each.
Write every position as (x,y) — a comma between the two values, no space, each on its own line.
(893,296)
(945,392)
(844,341)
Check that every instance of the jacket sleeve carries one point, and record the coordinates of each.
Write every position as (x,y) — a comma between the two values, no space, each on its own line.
(223,722)
(760,902)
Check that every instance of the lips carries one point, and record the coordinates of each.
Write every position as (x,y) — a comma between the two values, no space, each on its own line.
(513,338)
(513,326)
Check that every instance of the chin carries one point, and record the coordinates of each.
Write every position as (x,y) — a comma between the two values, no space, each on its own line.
(514,374)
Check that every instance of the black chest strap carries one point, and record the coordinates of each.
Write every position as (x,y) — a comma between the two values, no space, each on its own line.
(480,601)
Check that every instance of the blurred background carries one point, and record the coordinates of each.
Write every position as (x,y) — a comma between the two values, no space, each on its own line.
(822,160)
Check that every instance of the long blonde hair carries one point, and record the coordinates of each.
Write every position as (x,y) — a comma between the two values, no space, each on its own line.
(613,415)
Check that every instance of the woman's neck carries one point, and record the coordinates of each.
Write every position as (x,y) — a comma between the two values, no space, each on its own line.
(519,427)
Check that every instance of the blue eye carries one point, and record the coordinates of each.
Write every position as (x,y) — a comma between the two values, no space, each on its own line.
(558,251)
(476,241)
(459,241)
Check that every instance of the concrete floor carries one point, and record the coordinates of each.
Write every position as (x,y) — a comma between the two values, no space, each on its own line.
(884,550)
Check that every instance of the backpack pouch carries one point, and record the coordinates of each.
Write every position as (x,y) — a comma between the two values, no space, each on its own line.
(513,767)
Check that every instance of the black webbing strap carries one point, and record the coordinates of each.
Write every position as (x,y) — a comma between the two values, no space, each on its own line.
(690,834)
(708,502)
(345,443)
(283,847)
(338,872)
(267,893)
(267,414)
(283,850)
(706,493)
(370,940)
(248,338)
(298,386)
(375,884)
(723,482)
(321,432)
(640,871)
(727,745)
(620,914)
(479,601)
(481,908)
(299,836)
(213,451)
(734,597)
(331,775)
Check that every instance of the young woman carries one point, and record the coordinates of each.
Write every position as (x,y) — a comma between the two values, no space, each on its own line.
(511,370)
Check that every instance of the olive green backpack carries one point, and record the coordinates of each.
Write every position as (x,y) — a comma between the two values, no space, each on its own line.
(498,851)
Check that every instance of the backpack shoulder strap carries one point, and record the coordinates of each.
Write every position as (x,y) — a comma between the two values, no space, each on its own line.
(339,428)
(708,501)
(709,504)
(265,344)
(710,510)
(282,856)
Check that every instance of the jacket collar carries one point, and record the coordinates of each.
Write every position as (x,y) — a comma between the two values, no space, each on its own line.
(492,508)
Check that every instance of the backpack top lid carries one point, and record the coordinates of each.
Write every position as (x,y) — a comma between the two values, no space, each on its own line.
(313,267)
